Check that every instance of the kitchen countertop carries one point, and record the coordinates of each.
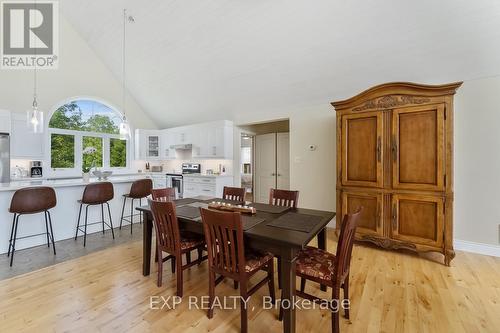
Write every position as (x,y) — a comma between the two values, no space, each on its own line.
(18,184)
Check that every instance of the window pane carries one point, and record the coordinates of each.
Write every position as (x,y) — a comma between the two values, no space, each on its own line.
(62,153)
(117,153)
(92,159)
(86,115)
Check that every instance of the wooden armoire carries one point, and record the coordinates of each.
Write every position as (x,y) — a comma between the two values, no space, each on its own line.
(395,158)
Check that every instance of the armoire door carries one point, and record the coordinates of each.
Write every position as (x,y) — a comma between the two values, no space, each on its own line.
(362,149)
(418,219)
(370,221)
(418,148)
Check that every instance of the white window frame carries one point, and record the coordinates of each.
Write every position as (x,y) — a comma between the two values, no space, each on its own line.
(78,146)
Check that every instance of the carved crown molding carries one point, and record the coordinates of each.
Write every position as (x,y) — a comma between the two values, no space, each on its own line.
(385,93)
(387,102)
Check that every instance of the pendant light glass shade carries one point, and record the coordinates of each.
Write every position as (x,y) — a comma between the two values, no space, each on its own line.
(34,118)
(124,129)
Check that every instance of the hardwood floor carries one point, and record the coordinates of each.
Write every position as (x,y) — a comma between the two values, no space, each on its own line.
(390,292)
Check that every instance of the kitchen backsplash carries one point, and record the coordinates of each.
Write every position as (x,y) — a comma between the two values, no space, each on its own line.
(175,165)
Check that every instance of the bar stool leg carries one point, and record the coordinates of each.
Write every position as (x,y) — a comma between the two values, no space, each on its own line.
(123,211)
(11,233)
(14,241)
(110,221)
(46,228)
(51,232)
(78,224)
(102,217)
(85,232)
(131,215)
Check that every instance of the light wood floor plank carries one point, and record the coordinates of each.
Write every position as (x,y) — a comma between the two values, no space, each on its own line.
(390,292)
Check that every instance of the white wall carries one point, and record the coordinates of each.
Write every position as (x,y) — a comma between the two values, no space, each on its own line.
(477,161)
(80,73)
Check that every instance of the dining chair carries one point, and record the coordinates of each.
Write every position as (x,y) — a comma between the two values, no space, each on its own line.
(228,257)
(284,198)
(234,193)
(328,269)
(170,240)
(163,194)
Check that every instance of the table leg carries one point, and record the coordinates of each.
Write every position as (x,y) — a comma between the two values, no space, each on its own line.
(147,233)
(288,291)
(322,245)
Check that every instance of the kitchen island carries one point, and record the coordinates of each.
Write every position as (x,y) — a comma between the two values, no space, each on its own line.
(64,215)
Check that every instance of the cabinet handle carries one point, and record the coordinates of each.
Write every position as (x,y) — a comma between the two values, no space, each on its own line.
(394,150)
(273,174)
(214,150)
(379,149)
(394,217)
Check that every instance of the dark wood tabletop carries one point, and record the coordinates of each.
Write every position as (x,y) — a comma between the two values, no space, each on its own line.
(283,242)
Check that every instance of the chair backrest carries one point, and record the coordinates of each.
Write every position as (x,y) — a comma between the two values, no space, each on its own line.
(166,225)
(344,246)
(233,193)
(98,193)
(224,238)
(283,198)
(141,188)
(163,194)
(32,200)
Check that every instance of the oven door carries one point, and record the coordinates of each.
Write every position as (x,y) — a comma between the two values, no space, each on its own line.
(176,182)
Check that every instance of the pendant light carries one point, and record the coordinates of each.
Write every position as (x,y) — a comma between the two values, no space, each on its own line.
(34,116)
(124,125)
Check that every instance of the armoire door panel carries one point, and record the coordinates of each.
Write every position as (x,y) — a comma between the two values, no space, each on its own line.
(370,221)
(418,147)
(362,149)
(418,219)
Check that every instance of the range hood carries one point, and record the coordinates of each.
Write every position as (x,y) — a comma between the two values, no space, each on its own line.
(187,146)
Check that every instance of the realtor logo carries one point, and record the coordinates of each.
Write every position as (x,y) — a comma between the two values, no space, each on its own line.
(29,34)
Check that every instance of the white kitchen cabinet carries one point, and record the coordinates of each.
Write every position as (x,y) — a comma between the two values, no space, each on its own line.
(23,142)
(208,185)
(159,180)
(148,144)
(5,121)
(215,140)
(168,139)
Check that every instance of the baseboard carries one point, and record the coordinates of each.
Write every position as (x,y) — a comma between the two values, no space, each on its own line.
(480,248)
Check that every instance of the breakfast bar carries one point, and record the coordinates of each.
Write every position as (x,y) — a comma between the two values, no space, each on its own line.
(64,214)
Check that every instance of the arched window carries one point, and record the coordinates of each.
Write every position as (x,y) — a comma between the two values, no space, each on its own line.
(84,134)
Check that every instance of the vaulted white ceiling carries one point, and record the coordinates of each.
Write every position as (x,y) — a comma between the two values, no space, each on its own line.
(196,60)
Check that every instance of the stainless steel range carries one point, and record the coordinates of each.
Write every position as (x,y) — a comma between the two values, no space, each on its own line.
(175,180)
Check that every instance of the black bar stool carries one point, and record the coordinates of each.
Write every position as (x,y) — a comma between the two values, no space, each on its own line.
(95,194)
(140,189)
(31,200)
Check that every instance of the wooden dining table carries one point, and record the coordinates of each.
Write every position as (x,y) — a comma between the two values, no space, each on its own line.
(280,241)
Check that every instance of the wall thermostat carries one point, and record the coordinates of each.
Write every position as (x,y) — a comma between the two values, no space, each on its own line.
(312,147)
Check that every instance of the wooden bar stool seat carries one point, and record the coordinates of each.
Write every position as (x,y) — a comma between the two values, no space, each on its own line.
(31,200)
(139,190)
(93,195)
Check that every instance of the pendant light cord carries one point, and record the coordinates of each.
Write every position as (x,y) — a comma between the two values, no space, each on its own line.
(123,64)
(35,102)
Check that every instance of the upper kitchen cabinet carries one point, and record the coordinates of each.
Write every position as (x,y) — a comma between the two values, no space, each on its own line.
(214,140)
(23,142)
(148,144)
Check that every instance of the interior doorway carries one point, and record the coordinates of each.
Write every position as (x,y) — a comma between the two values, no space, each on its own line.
(265,158)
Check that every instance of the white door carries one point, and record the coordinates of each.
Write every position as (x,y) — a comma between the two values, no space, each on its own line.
(283,161)
(265,166)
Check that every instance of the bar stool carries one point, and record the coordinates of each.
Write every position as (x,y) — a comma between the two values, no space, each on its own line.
(31,200)
(95,194)
(140,189)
